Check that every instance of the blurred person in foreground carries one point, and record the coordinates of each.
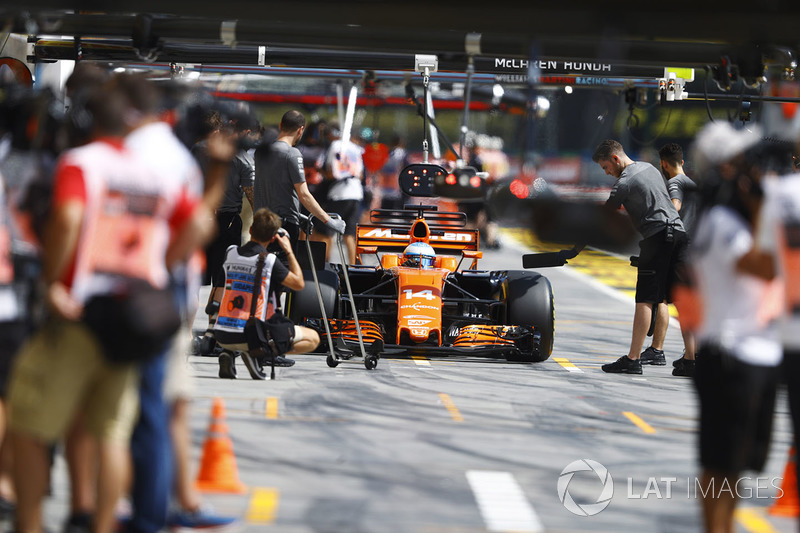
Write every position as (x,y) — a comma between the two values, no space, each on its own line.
(736,372)
(162,430)
(63,370)
(776,256)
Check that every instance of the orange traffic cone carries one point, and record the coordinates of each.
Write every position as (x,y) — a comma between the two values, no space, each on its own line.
(788,504)
(218,472)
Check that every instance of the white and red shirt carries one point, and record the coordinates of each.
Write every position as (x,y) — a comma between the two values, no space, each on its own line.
(737,307)
(130,213)
(163,153)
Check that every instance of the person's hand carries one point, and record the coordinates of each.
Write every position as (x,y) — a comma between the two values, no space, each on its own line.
(282,238)
(221,147)
(61,302)
(336,224)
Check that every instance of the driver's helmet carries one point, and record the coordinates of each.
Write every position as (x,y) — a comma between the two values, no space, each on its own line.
(419,254)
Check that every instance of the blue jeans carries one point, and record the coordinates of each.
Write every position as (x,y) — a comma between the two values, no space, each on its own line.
(151,451)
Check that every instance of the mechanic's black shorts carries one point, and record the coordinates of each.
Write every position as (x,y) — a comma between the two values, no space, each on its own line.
(737,401)
(661,265)
(349,210)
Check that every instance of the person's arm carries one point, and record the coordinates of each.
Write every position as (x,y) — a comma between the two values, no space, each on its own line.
(616,197)
(294,279)
(247,177)
(675,193)
(310,203)
(220,149)
(60,242)
(759,261)
(60,239)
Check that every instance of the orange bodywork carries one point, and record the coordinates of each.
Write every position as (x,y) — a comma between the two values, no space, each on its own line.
(370,331)
(484,335)
(419,302)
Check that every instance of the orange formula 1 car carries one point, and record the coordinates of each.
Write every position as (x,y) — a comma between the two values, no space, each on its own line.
(427,296)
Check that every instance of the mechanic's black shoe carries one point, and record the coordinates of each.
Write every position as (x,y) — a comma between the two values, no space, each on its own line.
(686,368)
(254,366)
(679,361)
(651,356)
(227,365)
(623,365)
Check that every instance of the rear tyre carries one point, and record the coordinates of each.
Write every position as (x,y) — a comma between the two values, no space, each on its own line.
(530,303)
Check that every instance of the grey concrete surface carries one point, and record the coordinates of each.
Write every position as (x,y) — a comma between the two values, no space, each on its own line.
(351,450)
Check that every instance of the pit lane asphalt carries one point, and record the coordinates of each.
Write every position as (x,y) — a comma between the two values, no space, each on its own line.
(409,447)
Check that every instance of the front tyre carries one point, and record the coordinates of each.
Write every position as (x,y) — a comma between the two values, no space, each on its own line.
(529,302)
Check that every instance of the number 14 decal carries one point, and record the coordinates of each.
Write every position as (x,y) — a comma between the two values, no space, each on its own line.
(426,294)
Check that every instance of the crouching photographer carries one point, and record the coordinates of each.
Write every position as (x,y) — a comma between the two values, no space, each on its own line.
(250,321)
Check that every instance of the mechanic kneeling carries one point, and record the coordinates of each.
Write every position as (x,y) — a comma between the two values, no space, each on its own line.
(240,274)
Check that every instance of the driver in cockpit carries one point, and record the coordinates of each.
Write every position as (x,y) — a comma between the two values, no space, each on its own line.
(419,255)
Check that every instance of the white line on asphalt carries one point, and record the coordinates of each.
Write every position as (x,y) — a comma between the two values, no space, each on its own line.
(502,503)
(420,360)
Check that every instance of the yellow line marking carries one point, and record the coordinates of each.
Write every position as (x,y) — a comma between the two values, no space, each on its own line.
(272,408)
(421,360)
(753,520)
(641,424)
(564,362)
(451,407)
(263,506)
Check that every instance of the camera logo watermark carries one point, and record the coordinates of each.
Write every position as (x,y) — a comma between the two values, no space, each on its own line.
(758,488)
(605,494)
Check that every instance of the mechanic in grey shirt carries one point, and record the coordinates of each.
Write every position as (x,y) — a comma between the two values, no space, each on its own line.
(684,196)
(642,191)
(682,190)
(280,181)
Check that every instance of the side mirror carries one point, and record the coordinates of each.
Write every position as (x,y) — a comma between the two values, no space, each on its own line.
(463,183)
(418,179)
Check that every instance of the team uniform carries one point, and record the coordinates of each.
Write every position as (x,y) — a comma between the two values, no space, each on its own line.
(240,275)
(129,214)
(346,164)
(682,188)
(641,190)
(738,348)
(279,167)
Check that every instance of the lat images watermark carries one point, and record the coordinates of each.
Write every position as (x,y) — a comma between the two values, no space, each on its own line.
(603,499)
(746,487)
